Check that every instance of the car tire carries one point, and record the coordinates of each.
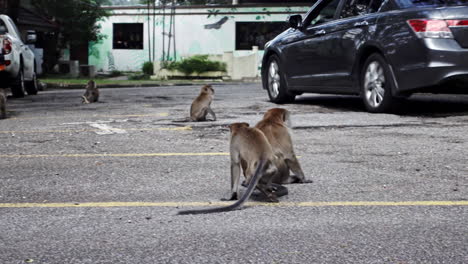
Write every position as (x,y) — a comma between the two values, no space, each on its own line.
(18,88)
(377,85)
(32,87)
(275,82)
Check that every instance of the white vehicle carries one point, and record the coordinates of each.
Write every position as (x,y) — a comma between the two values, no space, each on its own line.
(17,61)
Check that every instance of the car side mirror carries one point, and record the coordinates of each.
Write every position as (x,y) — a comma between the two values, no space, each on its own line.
(3,30)
(295,21)
(31,38)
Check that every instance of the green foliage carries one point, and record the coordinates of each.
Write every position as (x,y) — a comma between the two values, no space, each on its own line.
(76,19)
(138,76)
(115,73)
(196,64)
(148,68)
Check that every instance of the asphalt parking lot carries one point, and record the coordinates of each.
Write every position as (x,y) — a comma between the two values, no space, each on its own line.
(102,183)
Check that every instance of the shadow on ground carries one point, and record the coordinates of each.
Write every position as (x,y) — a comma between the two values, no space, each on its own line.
(416,105)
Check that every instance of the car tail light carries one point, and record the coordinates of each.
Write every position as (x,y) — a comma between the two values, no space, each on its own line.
(457,23)
(431,28)
(6,46)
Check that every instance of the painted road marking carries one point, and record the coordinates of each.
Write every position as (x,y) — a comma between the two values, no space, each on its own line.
(91,155)
(206,204)
(185,128)
(105,129)
(88,116)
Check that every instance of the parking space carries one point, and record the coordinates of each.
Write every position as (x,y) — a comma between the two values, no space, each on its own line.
(103,182)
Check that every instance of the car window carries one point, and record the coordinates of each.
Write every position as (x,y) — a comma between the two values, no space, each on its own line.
(376,5)
(354,8)
(429,3)
(18,34)
(327,13)
(2,24)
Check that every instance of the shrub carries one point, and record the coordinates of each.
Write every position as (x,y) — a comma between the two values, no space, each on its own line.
(148,68)
(197,64)
(115,73)
(138,76)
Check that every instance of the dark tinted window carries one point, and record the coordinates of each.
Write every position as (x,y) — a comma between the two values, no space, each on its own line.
(2,24)
(250,34)
(428,3)
(354,8)
(128,36)
(375,5)
(326,13)
(386,5)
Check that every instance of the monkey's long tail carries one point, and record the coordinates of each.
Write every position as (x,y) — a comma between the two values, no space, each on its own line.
(240,202)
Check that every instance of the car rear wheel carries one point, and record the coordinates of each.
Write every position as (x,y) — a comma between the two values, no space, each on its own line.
(32,86)
(275,82)
(376,85)
(18,87)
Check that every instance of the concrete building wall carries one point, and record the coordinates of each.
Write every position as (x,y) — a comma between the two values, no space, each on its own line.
(210,30)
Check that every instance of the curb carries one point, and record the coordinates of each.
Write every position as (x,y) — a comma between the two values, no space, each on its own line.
(81,86)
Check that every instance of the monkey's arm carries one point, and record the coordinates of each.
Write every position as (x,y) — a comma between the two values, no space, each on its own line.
(85,100)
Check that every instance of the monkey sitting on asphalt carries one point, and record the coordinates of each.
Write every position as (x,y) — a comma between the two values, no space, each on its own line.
(91,94)
(200,107)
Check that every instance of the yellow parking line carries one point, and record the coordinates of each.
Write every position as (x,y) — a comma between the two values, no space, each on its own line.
(92,155)
(185,128)
(204,204)
(89,116)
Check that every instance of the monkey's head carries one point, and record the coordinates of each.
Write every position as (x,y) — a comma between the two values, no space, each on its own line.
(279,115)
(91,85)
(236,126)
(208,89)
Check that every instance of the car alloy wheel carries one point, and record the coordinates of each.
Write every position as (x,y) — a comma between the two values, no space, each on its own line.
(274,79)
(274,82)
(374,84)
(377,85)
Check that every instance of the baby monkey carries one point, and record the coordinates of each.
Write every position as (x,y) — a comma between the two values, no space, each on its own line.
(200,107)
(3,97)
(91,94)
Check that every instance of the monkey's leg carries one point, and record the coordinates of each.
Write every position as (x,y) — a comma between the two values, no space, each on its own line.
(210,111)
(95,97)
(235,178)
(295,167)
(202,114)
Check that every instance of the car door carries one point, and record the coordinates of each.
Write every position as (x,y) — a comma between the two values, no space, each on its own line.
(309,55)
(353,28)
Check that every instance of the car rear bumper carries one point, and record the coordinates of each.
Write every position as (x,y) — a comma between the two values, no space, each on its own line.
(443,69)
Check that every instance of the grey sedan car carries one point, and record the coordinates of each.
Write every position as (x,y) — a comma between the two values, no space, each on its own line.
(378,49)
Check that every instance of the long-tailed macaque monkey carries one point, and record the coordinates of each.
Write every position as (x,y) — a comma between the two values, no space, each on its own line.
(91,94)
(249,150)
(200,107)
(3,98)
(275,125)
